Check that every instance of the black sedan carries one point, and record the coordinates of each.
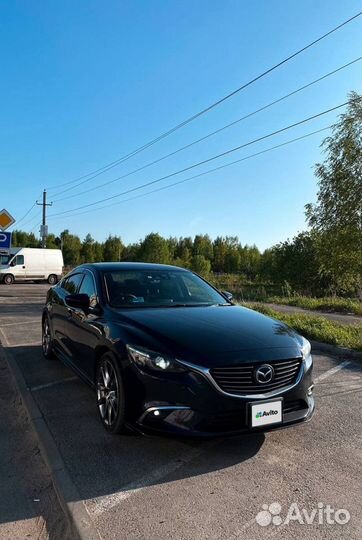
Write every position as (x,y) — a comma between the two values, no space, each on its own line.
(166,351)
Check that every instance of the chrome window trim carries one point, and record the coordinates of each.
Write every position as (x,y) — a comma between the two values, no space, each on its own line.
(94,283)
(205,372)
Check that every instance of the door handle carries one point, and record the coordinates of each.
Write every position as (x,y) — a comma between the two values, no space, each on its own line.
(24,267)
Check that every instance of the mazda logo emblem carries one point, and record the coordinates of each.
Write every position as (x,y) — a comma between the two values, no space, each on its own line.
(264,374)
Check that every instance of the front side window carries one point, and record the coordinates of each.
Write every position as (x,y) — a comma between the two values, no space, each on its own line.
(142,288)
(17,261)
(71,283)
(88,287)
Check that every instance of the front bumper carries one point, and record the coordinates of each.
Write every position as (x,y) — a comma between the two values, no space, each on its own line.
(189,405)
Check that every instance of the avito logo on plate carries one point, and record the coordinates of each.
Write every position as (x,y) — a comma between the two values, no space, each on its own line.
(260,414)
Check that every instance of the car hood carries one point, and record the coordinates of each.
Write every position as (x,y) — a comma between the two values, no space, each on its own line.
(215,334)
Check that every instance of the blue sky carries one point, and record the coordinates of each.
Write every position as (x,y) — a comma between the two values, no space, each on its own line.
(86,82)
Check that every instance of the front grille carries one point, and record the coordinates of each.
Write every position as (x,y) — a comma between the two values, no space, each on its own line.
(240,379)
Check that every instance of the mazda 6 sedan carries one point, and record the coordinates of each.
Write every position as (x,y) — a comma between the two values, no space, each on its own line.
(167,352)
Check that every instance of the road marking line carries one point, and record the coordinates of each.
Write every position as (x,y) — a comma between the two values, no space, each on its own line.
(332,371)
(54,383)
(236,534)
(32,344)
(102,504)
(5,339)
(35,321)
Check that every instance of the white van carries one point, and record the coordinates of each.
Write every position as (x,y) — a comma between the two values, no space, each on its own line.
(31,264)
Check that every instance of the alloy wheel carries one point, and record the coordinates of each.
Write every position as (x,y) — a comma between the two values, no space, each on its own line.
(107,393)
(46,338)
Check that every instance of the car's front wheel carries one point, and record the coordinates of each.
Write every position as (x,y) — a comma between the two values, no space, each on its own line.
(46,339)
(110,394)
(8,279)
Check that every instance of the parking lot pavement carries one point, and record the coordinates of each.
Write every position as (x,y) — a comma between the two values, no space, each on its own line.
(137,487)
(28,504)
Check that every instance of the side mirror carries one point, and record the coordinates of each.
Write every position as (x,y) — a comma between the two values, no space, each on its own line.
(13,262)
(228,295)
(80,301)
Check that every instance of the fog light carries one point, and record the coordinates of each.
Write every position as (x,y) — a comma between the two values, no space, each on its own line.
(156,413)
(310,390)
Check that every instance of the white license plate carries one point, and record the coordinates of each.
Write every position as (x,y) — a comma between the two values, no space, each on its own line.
(266,413)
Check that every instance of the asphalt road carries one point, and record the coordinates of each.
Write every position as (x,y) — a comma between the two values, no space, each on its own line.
(137,487)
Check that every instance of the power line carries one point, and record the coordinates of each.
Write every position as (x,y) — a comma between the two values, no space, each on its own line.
(149,164)
(222,154)
(31,220)
(33,229)
(26,214)
(103,169)
(198,175)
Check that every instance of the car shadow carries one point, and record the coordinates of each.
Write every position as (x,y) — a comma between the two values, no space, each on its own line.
(100,463)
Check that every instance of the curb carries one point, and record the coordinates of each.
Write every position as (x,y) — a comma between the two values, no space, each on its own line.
(80,523)
(340,352)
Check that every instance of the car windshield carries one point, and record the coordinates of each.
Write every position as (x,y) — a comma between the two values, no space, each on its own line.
(166,288)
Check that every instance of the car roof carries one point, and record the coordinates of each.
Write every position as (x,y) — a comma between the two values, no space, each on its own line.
(114,266)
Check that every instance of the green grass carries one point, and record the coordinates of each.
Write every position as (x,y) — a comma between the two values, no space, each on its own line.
(317,328)
(328,304)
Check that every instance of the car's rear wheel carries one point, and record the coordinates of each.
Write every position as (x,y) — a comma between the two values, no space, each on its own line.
(46,340)
(52,279)
(8,279)
(110,394)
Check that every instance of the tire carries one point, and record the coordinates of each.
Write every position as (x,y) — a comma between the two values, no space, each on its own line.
(110,394)
(46,339)
(8,279)
(52,279)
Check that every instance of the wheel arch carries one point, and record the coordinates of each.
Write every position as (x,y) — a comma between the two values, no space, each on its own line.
(100,350)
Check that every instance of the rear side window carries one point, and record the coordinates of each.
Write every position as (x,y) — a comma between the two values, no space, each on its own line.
(88,287)
(71,283)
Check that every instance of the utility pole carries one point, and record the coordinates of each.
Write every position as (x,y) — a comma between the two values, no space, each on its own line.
(44,228)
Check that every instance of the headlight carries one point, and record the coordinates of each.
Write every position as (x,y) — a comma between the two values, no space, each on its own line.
(150,359)
(305,350)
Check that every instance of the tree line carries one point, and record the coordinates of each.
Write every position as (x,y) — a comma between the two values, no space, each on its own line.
(326,259)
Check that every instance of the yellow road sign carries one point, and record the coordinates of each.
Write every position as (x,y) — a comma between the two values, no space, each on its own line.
(6,219)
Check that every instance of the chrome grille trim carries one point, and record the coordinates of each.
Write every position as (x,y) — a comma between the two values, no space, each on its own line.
(238,381)
(268,393)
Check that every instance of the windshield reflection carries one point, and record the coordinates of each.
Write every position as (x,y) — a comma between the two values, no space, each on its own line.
(166,288)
